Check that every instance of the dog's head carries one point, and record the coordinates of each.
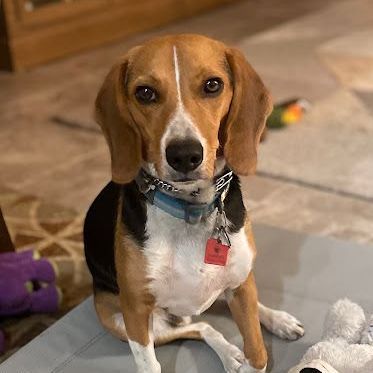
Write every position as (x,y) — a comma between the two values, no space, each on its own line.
(182,106)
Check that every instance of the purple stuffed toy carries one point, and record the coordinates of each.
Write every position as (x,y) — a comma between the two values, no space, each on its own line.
(27,285)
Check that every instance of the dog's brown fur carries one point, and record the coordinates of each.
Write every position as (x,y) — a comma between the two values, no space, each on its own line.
(231,123)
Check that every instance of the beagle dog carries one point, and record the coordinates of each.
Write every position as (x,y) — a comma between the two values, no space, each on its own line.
(182,116)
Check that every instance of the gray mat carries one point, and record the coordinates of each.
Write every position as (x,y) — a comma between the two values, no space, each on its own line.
(298,273)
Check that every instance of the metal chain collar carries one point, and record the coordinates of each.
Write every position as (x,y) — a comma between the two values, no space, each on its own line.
(154,182)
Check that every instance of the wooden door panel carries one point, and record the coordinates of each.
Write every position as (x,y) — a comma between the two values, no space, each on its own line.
(58,29)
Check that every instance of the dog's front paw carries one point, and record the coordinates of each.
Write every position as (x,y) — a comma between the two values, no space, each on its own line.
(155,368)
(286,326)
(247,368)
(233,359)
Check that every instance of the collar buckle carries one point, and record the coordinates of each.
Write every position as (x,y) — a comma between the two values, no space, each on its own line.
(223,180)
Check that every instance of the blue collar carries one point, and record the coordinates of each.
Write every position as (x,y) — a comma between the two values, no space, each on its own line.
(192,213)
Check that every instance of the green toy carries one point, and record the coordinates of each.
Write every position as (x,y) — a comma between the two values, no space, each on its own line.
(287,113)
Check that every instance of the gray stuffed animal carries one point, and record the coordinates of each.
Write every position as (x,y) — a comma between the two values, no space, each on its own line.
(347,345)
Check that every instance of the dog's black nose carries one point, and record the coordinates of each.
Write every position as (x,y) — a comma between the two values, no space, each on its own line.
(184,155)
(310,370)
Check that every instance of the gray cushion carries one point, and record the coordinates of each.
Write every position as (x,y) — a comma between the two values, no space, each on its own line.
(295,272)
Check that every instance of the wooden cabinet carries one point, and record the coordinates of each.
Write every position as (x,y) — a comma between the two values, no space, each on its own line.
(36,31)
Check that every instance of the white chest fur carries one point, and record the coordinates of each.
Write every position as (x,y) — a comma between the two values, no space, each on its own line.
(180,280)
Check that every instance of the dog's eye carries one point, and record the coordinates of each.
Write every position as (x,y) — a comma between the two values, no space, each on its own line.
(213,86)
(145,95)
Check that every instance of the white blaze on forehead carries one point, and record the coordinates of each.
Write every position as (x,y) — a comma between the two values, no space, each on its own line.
(181,124)
(177,75)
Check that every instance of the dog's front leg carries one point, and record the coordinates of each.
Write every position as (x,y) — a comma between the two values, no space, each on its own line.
(137,305)
(243,303)
(138,320)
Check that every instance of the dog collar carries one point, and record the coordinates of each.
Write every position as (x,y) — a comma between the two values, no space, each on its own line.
(164,196)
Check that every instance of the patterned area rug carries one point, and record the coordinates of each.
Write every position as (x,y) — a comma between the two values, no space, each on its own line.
(56,232)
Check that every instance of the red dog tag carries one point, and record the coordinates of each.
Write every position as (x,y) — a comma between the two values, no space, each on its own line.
(216,252)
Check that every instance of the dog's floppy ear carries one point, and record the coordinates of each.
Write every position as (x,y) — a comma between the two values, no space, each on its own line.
(113,115)
(250,106)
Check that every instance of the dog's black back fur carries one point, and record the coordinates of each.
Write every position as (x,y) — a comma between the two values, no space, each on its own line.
(99,235)
(99,230)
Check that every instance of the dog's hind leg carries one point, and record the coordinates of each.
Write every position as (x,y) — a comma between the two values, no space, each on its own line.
(167,328)
(108,311)
(230,355)
(280,323)
(138,332)
(179,320)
